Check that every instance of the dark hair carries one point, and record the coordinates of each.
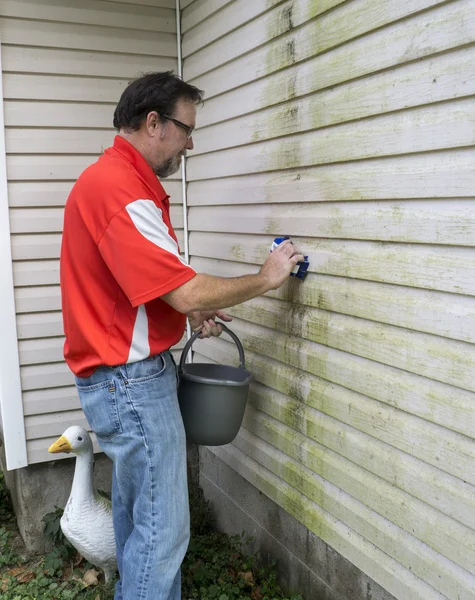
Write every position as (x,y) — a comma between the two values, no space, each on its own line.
(153,91)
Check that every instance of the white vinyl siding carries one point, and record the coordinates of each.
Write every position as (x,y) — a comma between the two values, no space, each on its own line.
(64,69)
(349,126)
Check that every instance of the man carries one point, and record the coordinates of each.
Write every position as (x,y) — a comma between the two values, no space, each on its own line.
(126,292)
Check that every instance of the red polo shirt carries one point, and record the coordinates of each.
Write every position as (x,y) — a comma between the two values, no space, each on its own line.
(119,254)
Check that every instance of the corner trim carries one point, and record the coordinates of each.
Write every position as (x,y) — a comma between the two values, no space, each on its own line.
(11,403)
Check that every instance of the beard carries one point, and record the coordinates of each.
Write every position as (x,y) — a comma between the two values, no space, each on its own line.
(169,167)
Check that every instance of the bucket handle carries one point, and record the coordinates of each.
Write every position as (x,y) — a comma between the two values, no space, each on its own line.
(190,342)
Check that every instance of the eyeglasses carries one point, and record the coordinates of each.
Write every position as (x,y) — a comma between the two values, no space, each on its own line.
(189,130)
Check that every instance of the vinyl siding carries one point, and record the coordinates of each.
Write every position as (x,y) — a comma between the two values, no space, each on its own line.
(350,127)
(64,68)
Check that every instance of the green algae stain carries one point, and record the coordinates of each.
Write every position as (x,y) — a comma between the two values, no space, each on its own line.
(336,223)
(272,227)
(238,252)
(282,53)
(280,21)
(285,155)
(397,214)
(256,135)
(279,88)
(283,121)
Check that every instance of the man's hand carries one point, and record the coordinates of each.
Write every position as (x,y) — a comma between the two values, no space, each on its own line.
(204,321)
(279,264)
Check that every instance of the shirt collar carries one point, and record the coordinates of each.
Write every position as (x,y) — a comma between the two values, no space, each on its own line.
(133,156)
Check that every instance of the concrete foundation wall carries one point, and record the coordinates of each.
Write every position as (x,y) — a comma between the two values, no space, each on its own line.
(306,564)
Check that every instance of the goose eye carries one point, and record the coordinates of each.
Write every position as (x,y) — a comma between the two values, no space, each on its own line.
(79,439)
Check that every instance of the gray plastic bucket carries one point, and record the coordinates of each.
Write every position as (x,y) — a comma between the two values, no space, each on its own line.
(212,397)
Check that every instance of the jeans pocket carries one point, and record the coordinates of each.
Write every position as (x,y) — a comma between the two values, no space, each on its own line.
(147,370)
(99,403)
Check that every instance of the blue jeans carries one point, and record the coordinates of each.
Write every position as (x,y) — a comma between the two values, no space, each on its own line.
(133,410)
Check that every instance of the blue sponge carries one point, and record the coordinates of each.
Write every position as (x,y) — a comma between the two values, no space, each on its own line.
(301,268)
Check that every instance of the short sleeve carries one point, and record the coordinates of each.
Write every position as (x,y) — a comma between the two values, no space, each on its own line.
(141,253)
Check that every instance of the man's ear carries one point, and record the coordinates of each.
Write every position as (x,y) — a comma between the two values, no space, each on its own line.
(153,123)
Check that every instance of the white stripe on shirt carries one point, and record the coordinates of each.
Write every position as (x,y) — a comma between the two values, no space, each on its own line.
(139,346)
(148,220)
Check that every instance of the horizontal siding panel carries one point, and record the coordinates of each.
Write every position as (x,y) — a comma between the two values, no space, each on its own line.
(434,175)
(250,29)
(449,537)
(446,269)
(24,194)
(39,325)
(444,576)
(230,20)
(50,61)
(40,351)
(37,377)
(91,12)
(419,130)
(339,411)
(37,299)
(47,167)
(38,272)
(324,31)
(434,489)
(439,222)
(433,79)
(199,11)
(38,193)
(443,492)
(367,557)
(443,28)
(58,114)
(36,220)
(73,89)
(329,372)
(437,358)
(53,424)
(31,247)
(37,450)
(49,400)
(21,32)
(415,130)
(440,447)
(451,316)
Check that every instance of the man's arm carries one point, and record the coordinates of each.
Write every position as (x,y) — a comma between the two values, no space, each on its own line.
(207,292)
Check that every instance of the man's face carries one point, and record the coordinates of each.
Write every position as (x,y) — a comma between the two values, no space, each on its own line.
(173,141)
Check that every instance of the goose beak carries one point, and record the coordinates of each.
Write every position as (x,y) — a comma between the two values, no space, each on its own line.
(61,445)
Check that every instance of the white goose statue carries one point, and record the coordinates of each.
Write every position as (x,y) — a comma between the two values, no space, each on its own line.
(87,518)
